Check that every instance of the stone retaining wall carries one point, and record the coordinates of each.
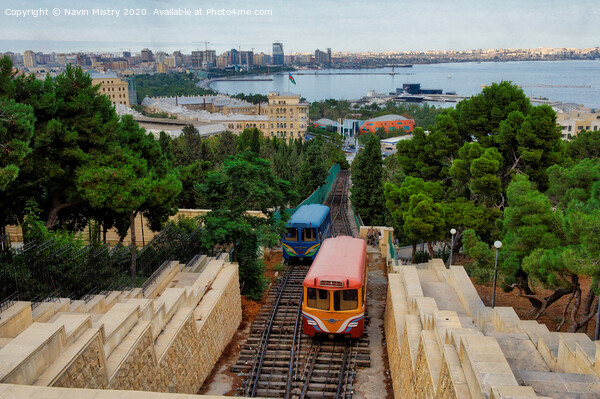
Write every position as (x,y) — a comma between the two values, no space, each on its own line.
(443,342)
(195,317)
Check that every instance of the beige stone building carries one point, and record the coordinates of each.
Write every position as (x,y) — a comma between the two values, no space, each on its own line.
(112,86)
(574,120)
(284,116)
(288,116)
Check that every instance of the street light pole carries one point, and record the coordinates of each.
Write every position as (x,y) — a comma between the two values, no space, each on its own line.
(453,232)
(597,333)
(498,245)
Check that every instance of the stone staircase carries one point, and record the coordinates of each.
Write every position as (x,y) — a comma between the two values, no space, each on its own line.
(443,342)
(164,337)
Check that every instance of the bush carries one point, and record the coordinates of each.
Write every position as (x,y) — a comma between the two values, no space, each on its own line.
(422,256)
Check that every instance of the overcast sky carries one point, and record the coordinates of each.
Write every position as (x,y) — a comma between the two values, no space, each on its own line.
(304,25)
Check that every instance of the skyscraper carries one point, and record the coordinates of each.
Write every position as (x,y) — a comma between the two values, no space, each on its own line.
(147,55)
(278,58)
(29,59)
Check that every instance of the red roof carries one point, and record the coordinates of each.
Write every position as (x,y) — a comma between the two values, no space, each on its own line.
(339,259)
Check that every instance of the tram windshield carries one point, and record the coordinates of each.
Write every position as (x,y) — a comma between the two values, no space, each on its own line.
(345,300)
(309,234)
(291,234)
(317,299)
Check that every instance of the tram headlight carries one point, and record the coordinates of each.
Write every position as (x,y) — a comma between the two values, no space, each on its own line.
(353,324)
(311,323)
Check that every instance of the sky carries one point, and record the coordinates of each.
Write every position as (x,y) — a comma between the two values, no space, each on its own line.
(301,25)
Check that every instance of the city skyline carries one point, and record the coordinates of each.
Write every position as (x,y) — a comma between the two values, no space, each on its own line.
(303,26)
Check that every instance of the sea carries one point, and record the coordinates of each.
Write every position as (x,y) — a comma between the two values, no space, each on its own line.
(565,81)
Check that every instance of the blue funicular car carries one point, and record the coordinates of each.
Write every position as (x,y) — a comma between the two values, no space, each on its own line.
(305,231)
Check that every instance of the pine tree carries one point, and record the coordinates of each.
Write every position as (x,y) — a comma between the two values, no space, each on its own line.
(367,184)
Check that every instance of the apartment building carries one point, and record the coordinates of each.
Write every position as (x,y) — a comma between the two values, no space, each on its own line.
(112,86)
(574,119)
(288,116)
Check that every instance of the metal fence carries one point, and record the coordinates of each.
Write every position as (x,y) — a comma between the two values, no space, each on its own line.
(319,196)
(392,249)
(62,267)
(357,219)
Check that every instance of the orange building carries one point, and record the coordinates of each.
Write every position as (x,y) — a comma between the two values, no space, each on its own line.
(389,123)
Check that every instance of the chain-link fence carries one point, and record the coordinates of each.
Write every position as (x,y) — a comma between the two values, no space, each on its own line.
(319,196)
(60,267)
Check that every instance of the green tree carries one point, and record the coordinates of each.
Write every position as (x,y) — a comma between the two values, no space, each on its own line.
(313,170)
(585,145)
(475,174)
(16,131)
(402,206)
(245,183)
(74,124)
(227,146)
(132,177)
(367,184)
(424,220)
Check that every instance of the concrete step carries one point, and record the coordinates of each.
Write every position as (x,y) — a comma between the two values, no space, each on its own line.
(563,385)
(520,353)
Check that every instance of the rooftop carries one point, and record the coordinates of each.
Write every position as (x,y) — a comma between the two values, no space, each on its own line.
(283,94)
(309,215)
(102,75)
(387,118)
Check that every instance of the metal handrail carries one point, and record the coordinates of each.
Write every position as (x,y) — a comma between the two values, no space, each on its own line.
(155,275)
(8,301)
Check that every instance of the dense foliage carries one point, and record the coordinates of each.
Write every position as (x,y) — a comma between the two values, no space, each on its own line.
(423,114)
(495,168)
(229,222)
(168,84)
(367,184)
(252,98)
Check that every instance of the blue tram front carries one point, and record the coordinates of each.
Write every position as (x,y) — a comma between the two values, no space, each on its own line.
(305,231)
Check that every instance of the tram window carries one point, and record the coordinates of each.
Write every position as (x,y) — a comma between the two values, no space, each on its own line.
(345,300)
(291,234)
(311,297)
(317,299)
(323,300)
(309,234)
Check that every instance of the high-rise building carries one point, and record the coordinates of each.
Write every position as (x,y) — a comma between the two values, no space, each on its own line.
(197,58)
(278,58)
(161,57)
(261,59)
(178,58)
(29,59)
(247,59)
(322,57)
(147,55)
(234,57)
(161,68)
(210,59)
(171,61)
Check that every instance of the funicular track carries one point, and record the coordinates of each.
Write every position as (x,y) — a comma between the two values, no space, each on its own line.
(277,360)
(338,202)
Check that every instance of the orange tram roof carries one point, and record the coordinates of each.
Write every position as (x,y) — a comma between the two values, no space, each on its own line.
(340,259)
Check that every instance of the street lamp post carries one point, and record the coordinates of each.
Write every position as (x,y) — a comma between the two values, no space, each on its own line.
(453,232)
(498,245)
(597,332)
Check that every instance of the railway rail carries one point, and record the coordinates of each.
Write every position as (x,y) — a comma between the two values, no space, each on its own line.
(279,361)
(338,203)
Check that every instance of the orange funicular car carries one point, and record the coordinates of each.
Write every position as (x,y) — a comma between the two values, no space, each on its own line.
(335,289)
